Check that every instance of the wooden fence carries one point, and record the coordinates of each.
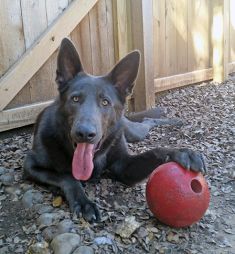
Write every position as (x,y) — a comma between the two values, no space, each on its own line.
(181,41)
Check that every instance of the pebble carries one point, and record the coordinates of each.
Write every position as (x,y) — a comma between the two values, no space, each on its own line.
(32,197)
(103,240)
(47,219)
(39,248)
(42,208)
(65,243)
(2,170)
(65,226)
(49,233)
(84,250)
(4,250)
(7,179)
(127,228)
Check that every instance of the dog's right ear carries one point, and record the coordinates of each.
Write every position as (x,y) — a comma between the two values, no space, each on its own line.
(68,63)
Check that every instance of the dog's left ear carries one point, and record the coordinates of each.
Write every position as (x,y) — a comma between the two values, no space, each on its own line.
(124,73)
(68,63)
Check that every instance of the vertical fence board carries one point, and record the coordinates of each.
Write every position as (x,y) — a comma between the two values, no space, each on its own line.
(23,97)
(12,44)
(181,36)
(232,31)
(198,34)
(159,36)
(171,35)
(110,32)
(82,39)
(220,28)
(142,38)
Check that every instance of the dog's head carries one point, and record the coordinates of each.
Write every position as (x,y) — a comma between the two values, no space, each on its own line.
(93,104)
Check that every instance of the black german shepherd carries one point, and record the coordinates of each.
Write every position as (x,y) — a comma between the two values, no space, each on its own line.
(83,133)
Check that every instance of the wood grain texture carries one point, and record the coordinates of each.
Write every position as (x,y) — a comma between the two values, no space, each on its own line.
(159,36)
(179,80)
(21,116)
(232,31)
(12,44)
(142,37)
(41,50)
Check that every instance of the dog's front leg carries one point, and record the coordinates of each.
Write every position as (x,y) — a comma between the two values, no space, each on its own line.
(72,189)
(77,199)
(134,168)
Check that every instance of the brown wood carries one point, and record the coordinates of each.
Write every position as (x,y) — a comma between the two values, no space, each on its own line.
(142,38)
(162,84)
(41,50)
(21,116)
(220,39)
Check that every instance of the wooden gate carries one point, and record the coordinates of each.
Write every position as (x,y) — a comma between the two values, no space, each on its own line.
(31,31)
(181,42)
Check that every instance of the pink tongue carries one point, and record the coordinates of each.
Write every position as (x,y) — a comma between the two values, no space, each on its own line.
(82,165)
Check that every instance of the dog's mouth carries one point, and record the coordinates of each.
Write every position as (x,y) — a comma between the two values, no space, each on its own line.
(82,164)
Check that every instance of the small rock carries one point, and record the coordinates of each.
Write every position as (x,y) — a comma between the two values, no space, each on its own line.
(65,226)
(103,240)
(65,243)
(57,201)
(7,179)
(41,208)
(127,228)
(84,250)
(4,250)
(39,248)
(32,197)
(2,170)
(49,233)
(173,237)
(47,219)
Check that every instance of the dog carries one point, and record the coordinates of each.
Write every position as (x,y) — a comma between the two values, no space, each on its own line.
(84,132)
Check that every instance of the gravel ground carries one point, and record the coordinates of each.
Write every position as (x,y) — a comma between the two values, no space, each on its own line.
(33,220)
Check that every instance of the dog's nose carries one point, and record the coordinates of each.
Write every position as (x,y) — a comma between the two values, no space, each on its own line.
(85,133)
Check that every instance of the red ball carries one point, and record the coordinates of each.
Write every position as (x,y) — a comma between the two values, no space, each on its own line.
(176,196)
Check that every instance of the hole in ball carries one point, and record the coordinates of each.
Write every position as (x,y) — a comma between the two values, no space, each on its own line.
(196,186)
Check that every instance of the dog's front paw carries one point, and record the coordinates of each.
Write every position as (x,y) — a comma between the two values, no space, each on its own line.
(89,211)
(189,159)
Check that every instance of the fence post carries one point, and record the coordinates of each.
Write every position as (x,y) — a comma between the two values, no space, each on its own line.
(220,39)
(142,39)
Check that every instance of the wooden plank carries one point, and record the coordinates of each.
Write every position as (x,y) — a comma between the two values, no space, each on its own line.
(54,9)
(122,28)
(142,36)
(81,37)
(198,34)
(12,44)
(181,35)
(162,84)
(21,116)
(35,23)
(159,37)
(110,29)
(99,38)
(24,69)
(171,35)
(231,67)
(232,31)
(220,39)
(95,41)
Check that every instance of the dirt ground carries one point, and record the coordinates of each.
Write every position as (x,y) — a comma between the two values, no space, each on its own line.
(207,112)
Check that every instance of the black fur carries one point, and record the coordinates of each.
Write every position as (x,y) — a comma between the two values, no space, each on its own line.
(90,109)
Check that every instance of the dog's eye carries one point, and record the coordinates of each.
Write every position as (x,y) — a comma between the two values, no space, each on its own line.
(75,98)
(105,102)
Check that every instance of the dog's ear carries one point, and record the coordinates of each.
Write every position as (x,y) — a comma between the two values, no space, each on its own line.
(68,63)
(124,73)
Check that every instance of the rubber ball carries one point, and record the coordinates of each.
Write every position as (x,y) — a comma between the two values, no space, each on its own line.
(176,196)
